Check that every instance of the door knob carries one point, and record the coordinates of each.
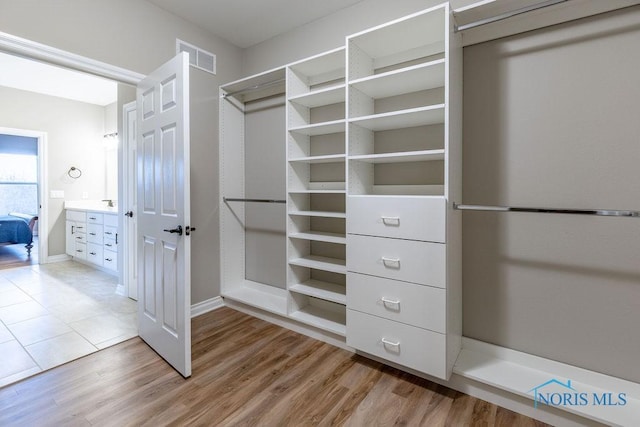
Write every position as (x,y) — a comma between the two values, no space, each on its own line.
(177,230)
(129,214)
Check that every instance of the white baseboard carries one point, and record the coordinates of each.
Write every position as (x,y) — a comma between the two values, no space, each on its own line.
(56,258)
(121,290)
(206,306)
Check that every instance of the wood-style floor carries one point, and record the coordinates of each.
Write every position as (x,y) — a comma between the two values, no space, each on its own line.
(246,372)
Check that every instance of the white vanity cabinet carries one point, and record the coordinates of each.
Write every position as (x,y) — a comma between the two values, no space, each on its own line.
(76,234)
(93,237)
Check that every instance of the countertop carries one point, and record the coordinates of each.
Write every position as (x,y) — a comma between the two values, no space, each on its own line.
(90,205)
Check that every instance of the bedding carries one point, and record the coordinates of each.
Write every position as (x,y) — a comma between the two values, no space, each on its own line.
(17,228)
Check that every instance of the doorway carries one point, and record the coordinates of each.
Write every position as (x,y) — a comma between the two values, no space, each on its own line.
(58,308)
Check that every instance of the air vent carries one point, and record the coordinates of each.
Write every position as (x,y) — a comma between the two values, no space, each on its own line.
(205,61)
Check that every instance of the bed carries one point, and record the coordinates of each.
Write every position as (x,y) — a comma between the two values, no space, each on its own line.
(17,228)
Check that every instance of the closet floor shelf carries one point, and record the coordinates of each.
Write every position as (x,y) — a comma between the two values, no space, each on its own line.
(259,295)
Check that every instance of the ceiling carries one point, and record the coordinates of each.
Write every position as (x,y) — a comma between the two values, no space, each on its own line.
(33,76)
(248,22)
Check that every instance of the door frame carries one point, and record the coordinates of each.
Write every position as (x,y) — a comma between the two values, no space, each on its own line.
(43,188)
(128,259)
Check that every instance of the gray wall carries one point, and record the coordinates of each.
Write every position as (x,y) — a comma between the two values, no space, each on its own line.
(551,119)
(139,36)
(74,138)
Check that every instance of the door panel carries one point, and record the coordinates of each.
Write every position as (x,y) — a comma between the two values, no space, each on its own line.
(163,196)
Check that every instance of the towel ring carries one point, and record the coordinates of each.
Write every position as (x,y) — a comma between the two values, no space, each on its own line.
(74,172)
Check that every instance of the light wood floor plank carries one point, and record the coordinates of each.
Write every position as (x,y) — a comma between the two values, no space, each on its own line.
(246,372)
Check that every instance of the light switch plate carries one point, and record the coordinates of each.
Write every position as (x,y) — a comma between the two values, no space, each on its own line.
(57,194)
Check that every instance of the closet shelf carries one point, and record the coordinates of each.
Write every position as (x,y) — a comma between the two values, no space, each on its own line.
(330,158)
(333,265)
(405,80)
(403,191)
(412,117)
(324,128)
(322,214)
(320,97)
(323,319)
(320,236)
(317,68)
(407,156)
(317,191)
(324,290)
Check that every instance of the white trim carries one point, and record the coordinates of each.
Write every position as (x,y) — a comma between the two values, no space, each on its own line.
(206,306)
(52,55)
(56,258)
(128,188)
(43,188)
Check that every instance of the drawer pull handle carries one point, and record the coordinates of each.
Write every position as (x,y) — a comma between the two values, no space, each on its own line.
(78,237)
(93,218)
(92,253)
(79,227)
(79,250)
(108,259)
(387,302)
(93,234)
(395,345)
(108,232)
(108,244)
(391,220)
(391,262)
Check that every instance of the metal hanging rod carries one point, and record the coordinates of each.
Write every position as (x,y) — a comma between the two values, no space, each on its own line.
(228,199)
(506,15)
(595,212)
(254,87)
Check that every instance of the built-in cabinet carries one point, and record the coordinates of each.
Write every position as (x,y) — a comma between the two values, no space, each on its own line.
(372,152)
(93,237)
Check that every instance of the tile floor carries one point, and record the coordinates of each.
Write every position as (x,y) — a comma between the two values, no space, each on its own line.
(54,313)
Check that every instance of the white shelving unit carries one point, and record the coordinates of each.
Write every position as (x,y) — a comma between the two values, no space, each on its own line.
(316,185)
(403,162)
(372,141)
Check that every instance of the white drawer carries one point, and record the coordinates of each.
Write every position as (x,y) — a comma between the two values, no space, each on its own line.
(110,245)
(398,217)
(110,233)
(110,220)
(416,305)
(94,218)
(415,348)
(406,260)
(94,233)
(80,228)
(76,216)
(94,253)
(110,260)
(80,237)
(80,250)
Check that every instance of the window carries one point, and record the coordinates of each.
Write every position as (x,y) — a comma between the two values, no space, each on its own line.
(18,183)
